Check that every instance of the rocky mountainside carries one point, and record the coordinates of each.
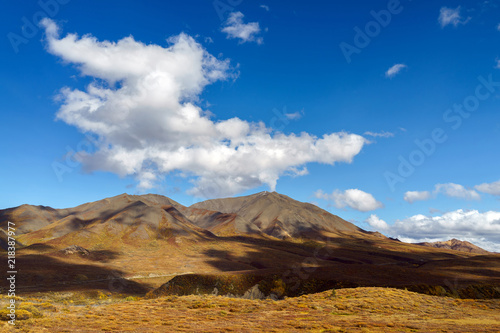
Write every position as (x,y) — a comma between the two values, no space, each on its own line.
(150,238)
(457,245)
(276,215)
(123,218)
(131,219)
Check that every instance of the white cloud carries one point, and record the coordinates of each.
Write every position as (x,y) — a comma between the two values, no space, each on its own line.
(265,7)
(295,115)
(394,70)
(353,198)
(498,26)
(481,229)
(491,188)
(456,191)
(412,196)
(382,134)
(451,16)
(245,32)
(377,223)
(143,105)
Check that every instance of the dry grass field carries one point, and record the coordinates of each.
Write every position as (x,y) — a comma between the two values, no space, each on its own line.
(344,310)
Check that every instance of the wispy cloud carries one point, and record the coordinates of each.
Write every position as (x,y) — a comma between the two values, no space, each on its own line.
(294,115)
(451,16)
(235,28)
(266,7)
(353,198)
(382,134)
(394,70)
(490,188)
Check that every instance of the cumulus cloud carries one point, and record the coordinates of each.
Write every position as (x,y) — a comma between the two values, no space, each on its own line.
(353,198)
(394,70)
(382,134)
(490,188)
(377,223)
(450,190)
(143,106)
(451,16)
(481,229)
(456,191)
(235,28)
(412,196)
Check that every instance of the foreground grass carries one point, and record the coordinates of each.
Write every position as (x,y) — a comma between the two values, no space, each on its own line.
(346,310)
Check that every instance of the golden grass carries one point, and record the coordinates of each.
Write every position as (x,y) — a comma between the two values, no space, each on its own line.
(351,310)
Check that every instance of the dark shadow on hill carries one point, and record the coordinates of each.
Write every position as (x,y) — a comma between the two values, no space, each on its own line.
(314,266)
(43,273)
(37,247)
(95,255)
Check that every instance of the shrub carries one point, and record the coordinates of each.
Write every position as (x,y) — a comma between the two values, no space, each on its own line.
(279,287)
(81,278)
(30,307)
(47,306)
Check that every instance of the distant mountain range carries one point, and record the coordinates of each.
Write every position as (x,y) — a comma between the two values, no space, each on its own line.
(137,217)
(265,238)
(457,245)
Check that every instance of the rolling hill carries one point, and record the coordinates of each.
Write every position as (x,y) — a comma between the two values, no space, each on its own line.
(147,240)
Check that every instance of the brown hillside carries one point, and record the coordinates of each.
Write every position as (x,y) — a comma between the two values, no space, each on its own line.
(124,218)
(150,239)
(278,215)
(457,245)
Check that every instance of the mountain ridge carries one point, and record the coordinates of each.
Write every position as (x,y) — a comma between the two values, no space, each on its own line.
(279,215)
(456,245)
(264,213)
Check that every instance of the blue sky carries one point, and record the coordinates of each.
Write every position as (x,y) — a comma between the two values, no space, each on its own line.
(210,99)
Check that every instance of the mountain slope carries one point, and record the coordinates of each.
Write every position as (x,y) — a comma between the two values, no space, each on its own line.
(277,215)
(125,219)
(28,218)
(457,245)
(150,238)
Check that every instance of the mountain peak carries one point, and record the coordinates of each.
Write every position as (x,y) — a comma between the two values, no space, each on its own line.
(457,245)
(277,214)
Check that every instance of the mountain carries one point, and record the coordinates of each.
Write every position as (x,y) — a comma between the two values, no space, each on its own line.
(121,219)
(29,218)
(457,245)
(148,239)
(273,214)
